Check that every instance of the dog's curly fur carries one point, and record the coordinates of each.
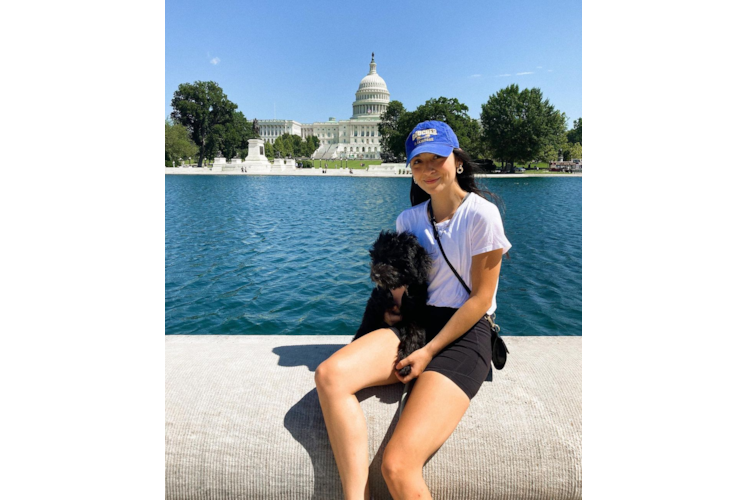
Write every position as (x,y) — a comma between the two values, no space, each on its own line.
(397,260)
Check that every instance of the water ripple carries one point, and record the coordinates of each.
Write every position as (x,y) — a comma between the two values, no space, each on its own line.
(289,255)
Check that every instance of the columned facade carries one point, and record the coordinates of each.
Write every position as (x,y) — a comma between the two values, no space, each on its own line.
(271,129)
(357,138)
(372,95)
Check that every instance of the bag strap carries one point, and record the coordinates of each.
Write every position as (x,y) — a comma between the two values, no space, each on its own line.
(436,235)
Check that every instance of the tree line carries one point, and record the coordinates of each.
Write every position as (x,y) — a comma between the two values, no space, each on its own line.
(204,121)
(293,145)
(515,127)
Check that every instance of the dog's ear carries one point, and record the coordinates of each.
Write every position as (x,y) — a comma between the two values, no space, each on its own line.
(385,245)
(378,245)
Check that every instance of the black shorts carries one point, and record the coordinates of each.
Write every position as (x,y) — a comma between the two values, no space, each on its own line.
(467,360)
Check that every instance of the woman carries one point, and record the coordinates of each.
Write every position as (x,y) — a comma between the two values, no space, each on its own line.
(450,369)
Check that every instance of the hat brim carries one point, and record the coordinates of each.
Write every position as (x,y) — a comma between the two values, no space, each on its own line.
(430,147)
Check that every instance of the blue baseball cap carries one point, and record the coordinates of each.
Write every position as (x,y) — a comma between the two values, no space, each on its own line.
(431,137)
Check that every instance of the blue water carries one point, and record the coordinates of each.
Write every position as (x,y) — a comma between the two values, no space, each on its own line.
(261,255)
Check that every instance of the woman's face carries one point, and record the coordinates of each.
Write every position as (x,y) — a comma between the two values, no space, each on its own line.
(434,173)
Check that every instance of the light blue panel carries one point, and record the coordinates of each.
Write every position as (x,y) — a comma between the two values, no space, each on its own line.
(664,85)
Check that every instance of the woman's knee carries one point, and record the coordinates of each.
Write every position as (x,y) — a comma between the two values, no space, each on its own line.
(331,376)
(397,464)
(326,374)
(365,363)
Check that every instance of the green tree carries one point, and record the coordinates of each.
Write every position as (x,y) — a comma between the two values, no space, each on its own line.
(453,113)
(311,145)
(566,152)
(572,151)
(575,134)
(286,144)
(296,145)
(517,126)
(392,129)
(178,143)
(201,107)
(548,153)
(576,151)
(231,138)
(283,145)
(291,144)
(269,151)
(397,123)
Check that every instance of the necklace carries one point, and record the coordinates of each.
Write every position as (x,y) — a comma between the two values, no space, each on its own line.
(443,229)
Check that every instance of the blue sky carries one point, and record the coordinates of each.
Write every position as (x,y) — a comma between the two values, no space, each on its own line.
(303,60)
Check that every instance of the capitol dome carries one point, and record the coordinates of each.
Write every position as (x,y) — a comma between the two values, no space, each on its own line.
(372,95)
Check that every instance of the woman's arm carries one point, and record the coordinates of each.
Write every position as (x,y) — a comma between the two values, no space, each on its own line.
(484,273)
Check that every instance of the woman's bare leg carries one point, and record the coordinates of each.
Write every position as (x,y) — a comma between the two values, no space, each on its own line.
(435,406)
(369,361)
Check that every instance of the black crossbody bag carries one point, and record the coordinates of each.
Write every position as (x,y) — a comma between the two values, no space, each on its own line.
(498,347)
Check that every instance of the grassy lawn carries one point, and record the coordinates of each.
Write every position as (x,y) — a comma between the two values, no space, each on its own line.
(353,164)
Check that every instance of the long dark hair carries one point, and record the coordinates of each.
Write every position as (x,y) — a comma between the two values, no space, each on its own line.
(466,180)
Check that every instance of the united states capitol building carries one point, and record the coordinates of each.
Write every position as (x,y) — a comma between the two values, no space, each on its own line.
(354,138)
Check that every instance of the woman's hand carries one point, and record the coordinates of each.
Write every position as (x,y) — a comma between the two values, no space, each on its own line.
(418,361)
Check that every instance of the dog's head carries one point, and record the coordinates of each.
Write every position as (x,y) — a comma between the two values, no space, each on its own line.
(397,260)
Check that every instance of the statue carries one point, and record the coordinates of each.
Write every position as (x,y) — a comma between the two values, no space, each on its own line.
(372,57)
(256,127)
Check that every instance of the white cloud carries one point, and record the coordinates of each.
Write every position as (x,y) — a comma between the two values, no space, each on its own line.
(477,75)
(550,71)
(215,60)
(506,74)
(525,73)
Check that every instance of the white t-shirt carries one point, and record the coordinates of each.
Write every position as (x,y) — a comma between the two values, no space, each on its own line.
(475,228)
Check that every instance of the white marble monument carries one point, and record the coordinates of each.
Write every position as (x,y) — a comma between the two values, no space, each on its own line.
(219,162)
(256,159)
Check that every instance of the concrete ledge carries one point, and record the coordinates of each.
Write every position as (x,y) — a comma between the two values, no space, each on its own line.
(243,421)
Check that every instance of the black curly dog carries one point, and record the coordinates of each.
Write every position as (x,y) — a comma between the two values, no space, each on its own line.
(398,260)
